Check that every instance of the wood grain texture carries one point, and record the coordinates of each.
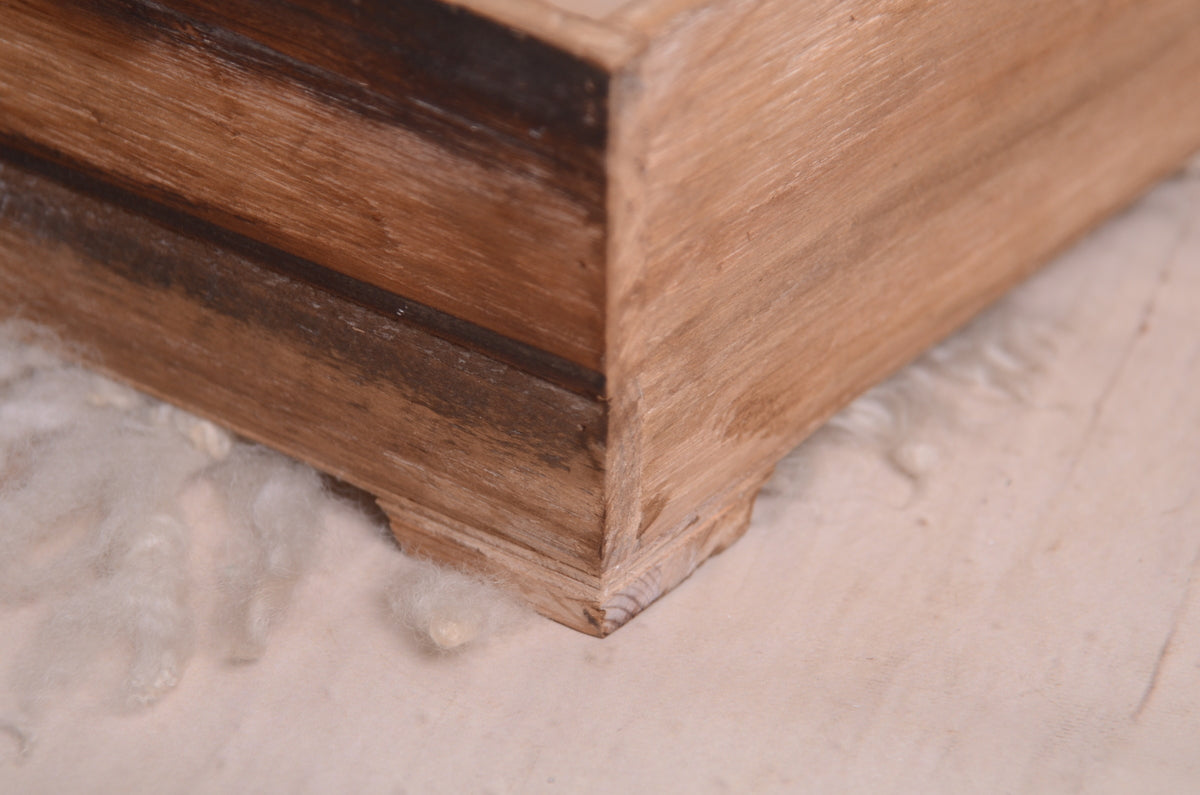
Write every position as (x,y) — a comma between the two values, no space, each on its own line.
(560,286)
(398,153)
(364,395)
(599,606)
(807,195)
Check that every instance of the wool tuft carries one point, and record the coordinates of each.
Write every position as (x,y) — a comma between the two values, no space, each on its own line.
(92,533)
(94,538)
(274,509)
(447,609)
(1000,353)
(88,528)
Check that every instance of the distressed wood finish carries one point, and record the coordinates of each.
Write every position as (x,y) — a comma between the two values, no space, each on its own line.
(858,179)
(363,394)
(410,171)
(559,281)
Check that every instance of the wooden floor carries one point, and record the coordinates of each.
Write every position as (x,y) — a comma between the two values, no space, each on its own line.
(1023,618)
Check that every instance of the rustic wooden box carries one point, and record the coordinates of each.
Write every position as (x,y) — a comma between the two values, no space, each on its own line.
(558,281)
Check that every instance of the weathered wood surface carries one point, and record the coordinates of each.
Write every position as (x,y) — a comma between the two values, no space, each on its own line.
(361,393)
(806,195)
(391,148)
(616,258)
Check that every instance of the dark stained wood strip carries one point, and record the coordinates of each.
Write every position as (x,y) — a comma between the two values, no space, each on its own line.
(532,360)
(463,80)
(435,58)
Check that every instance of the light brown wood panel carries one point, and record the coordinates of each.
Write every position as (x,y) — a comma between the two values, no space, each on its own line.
(476,217)
(809,194)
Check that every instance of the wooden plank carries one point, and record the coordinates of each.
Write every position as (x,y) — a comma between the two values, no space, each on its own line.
(363,394)
(858,180)
(406,165)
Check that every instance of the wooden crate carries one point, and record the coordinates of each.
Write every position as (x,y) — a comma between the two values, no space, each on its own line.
(559,282)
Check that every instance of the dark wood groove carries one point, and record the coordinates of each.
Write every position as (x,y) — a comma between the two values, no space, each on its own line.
(554,369)
(462,81)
